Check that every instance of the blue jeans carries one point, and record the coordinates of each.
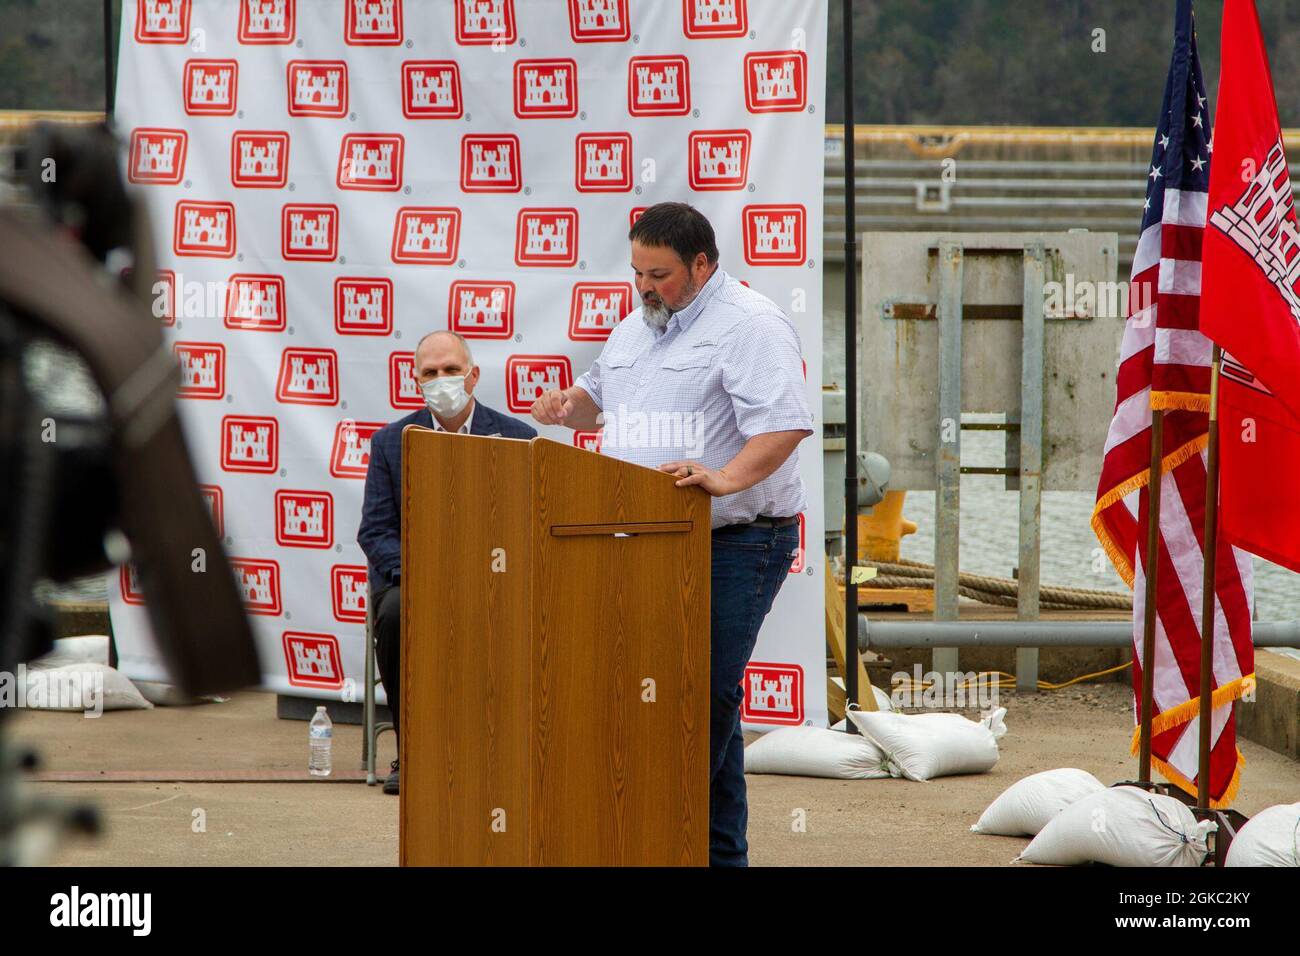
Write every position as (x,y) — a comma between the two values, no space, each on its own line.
(750,563)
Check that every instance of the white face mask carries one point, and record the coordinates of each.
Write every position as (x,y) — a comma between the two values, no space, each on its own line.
(445,396)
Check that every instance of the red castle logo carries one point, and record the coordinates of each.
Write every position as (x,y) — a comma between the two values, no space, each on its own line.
(719,159)
(259,584)
(403,387)
(259,159)
(211,87)
(313,660)
(363,306)
(349,593)
(162,21)
(658,86)
(598,21)
(429,236)
(773,693)
(350,456)
(796,566)
(776,82)
(133,592)
(308,377)
(304,519)
(546,237)
(318,88)
(485,21)
(373,23)
(309,233)
(204,229)
(371,161)
(250,443)
(482,310)
(255,303)
(157,156)
(490,164)
(213,497)
(774,235)
(546,88)
(635,214)
(164,292)
(266,21)
(705,19)
(596,307)
(587,441)
(130,586)
(603,163)
(431,89)
(528,376)
(203,369)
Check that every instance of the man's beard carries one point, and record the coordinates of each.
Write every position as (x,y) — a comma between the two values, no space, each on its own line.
(656,315)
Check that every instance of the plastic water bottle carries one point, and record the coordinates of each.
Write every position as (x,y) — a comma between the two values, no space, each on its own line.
(320,735)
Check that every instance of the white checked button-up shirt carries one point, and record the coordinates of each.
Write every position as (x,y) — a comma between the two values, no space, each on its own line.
(726,368)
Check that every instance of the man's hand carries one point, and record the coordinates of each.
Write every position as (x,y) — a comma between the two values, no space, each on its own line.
(715,481)
(762,455)
(553,407)
(570,407)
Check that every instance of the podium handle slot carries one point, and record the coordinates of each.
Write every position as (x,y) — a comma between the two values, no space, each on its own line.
(622,529)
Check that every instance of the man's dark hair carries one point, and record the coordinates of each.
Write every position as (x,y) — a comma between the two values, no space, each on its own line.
(676,226)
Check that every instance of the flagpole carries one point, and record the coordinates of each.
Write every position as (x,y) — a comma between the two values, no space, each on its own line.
(1149,609)
(1207,593)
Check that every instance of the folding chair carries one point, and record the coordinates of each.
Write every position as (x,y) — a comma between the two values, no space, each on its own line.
(371,730)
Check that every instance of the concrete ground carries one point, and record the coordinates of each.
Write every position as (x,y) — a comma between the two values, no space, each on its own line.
(852,823)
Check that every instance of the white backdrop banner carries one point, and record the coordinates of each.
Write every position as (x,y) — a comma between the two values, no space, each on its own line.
(330,180)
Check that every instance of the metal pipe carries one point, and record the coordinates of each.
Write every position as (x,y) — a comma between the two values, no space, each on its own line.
(851,689)
(1151,567)
(108,60)
(878,635)
(1211,539)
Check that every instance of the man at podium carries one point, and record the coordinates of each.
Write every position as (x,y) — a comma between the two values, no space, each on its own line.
(714,369)
(447,375)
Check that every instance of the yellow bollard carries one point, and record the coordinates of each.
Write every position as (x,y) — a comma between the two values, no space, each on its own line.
(880,531)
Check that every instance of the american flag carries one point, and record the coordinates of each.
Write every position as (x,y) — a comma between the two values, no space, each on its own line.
(1165,363)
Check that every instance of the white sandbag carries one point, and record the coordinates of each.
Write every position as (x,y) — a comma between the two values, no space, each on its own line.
(993,720)
(81,687)
(86,649)
(925,746)
(1269,838)
(166,695)
(1024,808)
(883,700)
(1121,826)
(815,752)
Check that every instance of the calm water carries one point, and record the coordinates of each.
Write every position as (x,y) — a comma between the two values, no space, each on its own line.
(1071,554)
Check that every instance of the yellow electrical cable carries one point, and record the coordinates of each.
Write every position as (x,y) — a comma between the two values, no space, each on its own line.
(1008,681)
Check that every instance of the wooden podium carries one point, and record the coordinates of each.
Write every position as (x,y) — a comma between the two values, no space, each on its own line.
(555,657)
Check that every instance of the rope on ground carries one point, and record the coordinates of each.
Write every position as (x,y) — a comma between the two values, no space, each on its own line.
(997,591)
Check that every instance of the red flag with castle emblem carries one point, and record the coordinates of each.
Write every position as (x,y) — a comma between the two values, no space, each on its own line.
(1250,300)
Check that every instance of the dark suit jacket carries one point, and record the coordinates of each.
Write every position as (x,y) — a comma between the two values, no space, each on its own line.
(380,534)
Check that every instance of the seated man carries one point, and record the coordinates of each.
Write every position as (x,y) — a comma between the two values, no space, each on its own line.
(447,375)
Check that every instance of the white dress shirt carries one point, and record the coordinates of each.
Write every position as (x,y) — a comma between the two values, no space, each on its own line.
(725,368)
(463,430)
